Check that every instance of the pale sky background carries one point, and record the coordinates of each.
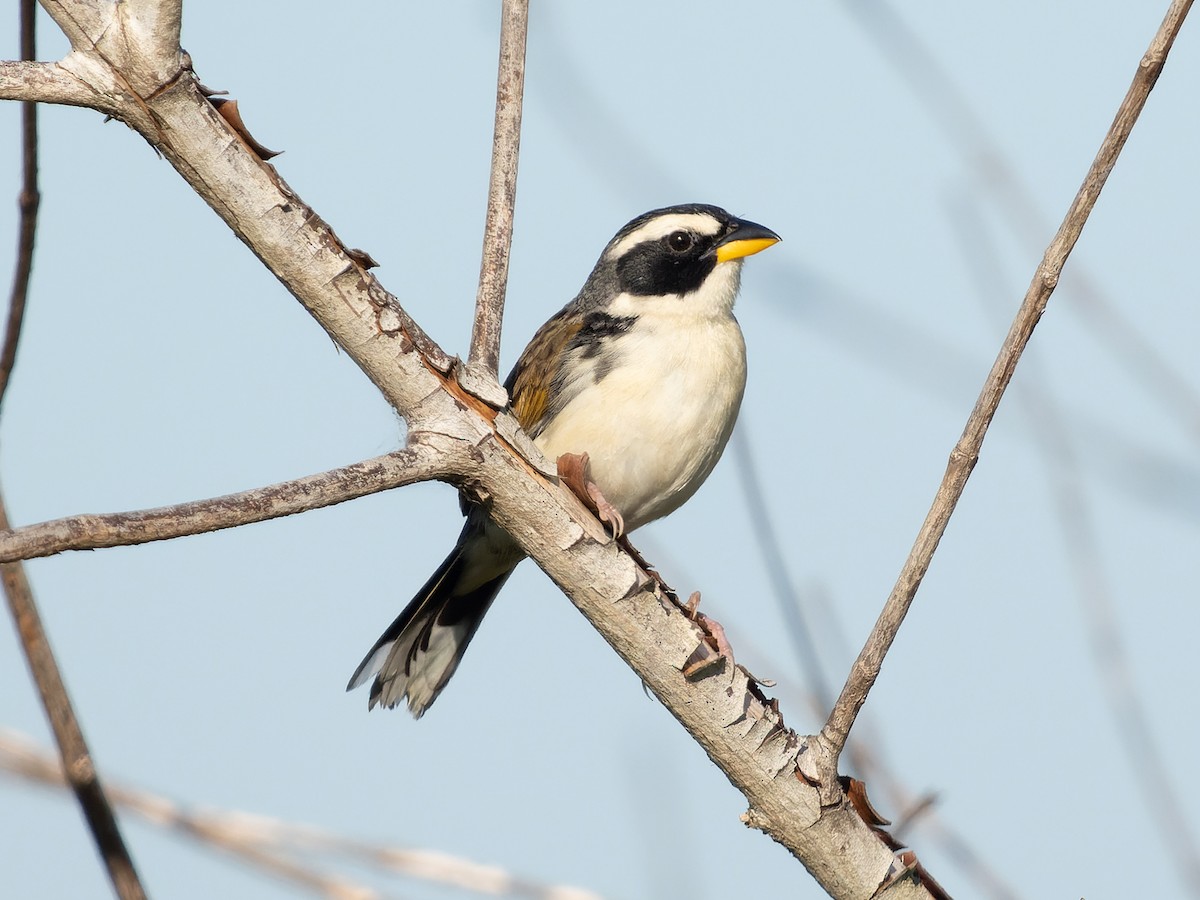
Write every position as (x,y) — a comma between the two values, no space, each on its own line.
(162,363)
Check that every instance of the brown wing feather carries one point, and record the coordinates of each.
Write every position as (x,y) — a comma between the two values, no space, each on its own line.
(534,375)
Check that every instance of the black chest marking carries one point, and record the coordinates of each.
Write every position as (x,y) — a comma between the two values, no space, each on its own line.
(593,340)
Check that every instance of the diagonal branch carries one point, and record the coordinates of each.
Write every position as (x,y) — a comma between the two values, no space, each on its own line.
(958,116)
(1097,595)
(502,189)
(72,747)
(423,460)
(966,453)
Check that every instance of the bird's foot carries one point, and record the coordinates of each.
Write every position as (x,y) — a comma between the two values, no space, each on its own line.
(572,471)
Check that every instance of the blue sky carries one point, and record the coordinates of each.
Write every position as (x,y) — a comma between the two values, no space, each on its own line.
(162,363)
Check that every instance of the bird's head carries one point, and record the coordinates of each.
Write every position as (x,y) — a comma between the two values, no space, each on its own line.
(691,253)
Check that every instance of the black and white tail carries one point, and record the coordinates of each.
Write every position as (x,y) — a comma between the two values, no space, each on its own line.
(419,652)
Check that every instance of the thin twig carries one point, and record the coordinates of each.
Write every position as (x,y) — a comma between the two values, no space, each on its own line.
(28,201)
(1086,558)
(966,453)
(502,189)
(92,532)
(73,749)
(950,107)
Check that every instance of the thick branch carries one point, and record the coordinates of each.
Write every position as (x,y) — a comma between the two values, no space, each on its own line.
(420,462)
(966,453)
(80,20)
(502,189)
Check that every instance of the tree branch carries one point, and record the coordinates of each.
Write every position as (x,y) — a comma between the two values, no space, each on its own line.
(966,453)
(959,119)
(28,201)
(73,749)
(423,460)
(45,82)
(502,189)
(1160,793)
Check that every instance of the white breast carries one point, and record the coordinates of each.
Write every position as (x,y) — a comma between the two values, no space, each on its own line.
(655,425)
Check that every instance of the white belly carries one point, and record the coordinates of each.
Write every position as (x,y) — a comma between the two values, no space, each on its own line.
(657,423)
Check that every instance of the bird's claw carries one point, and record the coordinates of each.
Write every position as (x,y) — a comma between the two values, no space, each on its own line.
(606,512)
(572,471)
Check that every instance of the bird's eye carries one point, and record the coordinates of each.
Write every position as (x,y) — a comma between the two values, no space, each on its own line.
(680,241)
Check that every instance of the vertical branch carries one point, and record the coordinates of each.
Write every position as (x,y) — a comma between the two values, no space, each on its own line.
(502,189)
(28,201)
(73,749)
(966,453)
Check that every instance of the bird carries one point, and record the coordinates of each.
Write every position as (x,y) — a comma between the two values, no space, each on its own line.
(644,371)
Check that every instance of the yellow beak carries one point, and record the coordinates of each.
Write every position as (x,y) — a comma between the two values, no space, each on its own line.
(746,247)
(745,239)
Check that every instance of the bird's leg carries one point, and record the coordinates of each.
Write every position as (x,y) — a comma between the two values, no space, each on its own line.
(572,471)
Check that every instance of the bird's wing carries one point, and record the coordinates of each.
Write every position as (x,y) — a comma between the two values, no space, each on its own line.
(537,376)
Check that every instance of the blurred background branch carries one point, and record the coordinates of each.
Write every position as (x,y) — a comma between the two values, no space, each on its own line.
(287,850)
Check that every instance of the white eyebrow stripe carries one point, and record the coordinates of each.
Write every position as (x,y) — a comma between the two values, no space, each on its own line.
(698,223)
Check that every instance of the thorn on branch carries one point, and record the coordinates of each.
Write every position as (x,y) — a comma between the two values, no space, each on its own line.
(228,110)
(361,258)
